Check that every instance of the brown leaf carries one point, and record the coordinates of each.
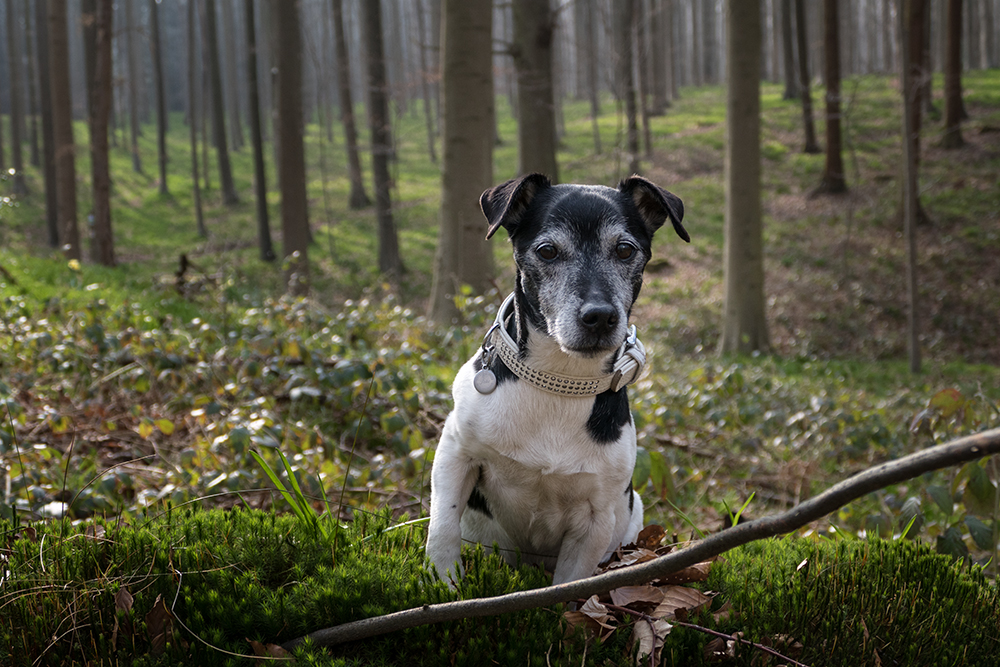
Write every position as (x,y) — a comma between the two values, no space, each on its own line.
(627,595)
(268,650)
(680,600)
(123,600)
(697,572)
(724,612)
(594,616)
(631,558)
(716,650)
(650,537)
(159,623)
(650,637)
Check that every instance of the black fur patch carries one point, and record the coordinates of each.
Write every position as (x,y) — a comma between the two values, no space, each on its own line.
(631,496)
(608,416)
(478,502)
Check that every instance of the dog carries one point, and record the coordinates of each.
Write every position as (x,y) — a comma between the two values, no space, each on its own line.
(538,453)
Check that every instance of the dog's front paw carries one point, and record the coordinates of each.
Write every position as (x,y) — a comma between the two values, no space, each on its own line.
(445,561)
(448,574)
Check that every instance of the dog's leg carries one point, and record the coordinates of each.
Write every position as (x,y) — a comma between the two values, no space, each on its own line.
(583,545)
(452,480)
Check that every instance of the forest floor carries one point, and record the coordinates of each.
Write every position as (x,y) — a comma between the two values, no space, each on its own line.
(124,388)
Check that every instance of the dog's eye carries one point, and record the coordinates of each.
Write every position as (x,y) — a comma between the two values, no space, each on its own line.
(624,250)
(547,251)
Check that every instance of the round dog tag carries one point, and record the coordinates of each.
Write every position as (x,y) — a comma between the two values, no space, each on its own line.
(484,381)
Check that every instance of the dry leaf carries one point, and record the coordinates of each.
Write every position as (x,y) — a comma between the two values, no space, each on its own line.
(123,600)
(594,616)
(724,613)
(627,595)
(650,637)
(158,624)
(650,537)
(718,649)
(680,599)
(268,650)
(697,572)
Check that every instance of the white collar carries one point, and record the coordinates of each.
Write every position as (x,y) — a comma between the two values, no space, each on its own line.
(627,368)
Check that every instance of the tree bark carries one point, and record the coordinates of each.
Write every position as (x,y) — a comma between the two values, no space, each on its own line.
(259,175)
(42,44)
(16,100)
(425,82)
(801,34)
(292,164)
(744,327)
(389,262)
(358,198)
(659,43)
(232,77)
(464,256)
(133,83)
(641,54)
(911,109)
(622,23)
(62,130)
(833,181)
(953,77)
(534,27)
(30,38)
(792,82)
(161,101)
(218,110)
(102,249)
(590,57)
(193,109)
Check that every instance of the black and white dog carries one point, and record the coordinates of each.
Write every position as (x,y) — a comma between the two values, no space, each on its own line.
(538,454)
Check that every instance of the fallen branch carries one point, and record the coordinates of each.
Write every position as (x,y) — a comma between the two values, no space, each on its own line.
(953,453)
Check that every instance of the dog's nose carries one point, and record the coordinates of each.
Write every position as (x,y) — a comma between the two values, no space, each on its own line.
(599,317)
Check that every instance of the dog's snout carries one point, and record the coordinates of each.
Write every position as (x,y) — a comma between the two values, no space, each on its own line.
(599,318)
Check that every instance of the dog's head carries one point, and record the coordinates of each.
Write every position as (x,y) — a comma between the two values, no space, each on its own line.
(580,252)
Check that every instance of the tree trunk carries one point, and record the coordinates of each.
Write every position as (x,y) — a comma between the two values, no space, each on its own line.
(911,108)
(953,77)
(744,327)
(29,33)
(259,175)
(710,43)
(914,11)
(389,262)
(193,109)
(801,34)
(659,41)
(16,100)
(232,77)
(292,165)
(218,110)
(102,249)
(358,198)
(622,20)
(425,82)
(62,129)
(464,256)
(534,26)
(833,180)
(590,57)
(638,34)
(42,44)
(161,101)
(792,82)
(133,83)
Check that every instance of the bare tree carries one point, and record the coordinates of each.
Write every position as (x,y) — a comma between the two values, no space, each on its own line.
(29,35)
(833,180)
(133,82)
(231,78)
(534,26)
(358,198)
(622,23)
(953,77)
(911,109)
(744,327)
(102,249)
(193,108)
(792,83)
(801,34)
(389,261)
(62,129)
(218,110)
(161,101)
(45,103)
(425,81)
(292,164)
(463,254)
(590,57)
(16,99)
(259,176)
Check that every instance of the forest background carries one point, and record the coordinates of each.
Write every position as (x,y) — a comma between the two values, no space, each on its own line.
(155,328)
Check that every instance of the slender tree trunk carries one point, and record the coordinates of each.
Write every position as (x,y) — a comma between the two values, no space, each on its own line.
(464,256)
(232,78)
(744,327)
(425,83)
(833,180)
(88,21)
(914,11)
(32,84)
(792,83)
(42,44)
(622,19)
(259,175)
(641,52)
(953,77)
(911,108)
(16,100)
(218,110)
(292,165)
(801,34)
(62,130)
(659,43)
(193,115)
(161,101)
(133,83)
(102,249)
(389,262)
(534,27)
(710,43)
(593,85)
(358,198)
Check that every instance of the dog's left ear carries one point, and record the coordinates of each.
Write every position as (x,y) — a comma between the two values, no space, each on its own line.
(505,204)
(655,204)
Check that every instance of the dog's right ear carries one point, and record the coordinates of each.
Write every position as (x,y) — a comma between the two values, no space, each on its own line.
(505,204)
